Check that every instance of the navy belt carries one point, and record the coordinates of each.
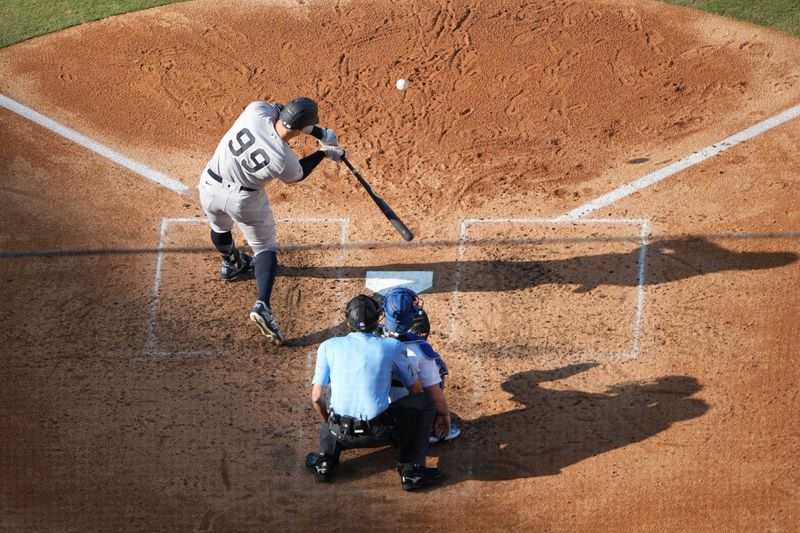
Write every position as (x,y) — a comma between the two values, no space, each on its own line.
(215,177)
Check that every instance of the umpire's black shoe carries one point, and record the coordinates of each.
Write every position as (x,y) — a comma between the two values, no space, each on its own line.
(321,466)
(414,477)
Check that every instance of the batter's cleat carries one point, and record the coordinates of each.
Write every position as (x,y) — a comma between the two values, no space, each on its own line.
(321,466)
(233,270)
(453,433)
(413,477)
(262,316)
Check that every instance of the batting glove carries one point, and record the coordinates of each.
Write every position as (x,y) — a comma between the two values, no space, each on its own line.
(328,138)
(336,153)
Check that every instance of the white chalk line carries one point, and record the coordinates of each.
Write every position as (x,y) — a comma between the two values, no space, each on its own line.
(637,324)
(683,164)
(81,140)
(150,348)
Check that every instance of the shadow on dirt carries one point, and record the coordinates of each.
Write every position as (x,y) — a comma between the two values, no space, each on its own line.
(554,429)
(666,261)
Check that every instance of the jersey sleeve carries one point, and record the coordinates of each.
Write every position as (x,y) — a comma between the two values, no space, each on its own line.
(322,370)
(289,169)
(402,367)
(263,110)
(292,170)
(428,372)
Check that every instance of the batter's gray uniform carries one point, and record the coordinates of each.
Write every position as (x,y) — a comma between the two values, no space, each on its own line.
(247,158)
(232,190)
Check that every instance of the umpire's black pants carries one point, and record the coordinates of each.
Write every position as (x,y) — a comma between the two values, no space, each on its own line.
(406,423)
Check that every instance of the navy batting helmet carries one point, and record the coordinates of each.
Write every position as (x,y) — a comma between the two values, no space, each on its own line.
(362,313)
(299,112)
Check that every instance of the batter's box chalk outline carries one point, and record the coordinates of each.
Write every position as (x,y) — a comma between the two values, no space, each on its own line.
(644,230)
(151,343)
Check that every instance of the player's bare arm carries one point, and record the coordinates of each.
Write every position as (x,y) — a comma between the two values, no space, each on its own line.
(318,401)
(442,425)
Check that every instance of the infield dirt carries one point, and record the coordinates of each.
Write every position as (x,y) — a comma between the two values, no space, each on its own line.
(599,387)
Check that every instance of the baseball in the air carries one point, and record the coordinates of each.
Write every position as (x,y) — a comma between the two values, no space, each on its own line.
(401,84)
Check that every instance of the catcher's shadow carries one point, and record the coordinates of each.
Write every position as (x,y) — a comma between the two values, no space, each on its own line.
(554,429)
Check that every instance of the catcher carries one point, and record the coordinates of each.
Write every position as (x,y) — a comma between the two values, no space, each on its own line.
(405,320)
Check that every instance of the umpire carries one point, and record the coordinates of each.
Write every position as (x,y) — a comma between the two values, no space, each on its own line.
(359,369)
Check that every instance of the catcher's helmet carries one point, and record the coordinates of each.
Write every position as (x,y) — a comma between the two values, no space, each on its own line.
(362,313)
(399,309)
(299,112)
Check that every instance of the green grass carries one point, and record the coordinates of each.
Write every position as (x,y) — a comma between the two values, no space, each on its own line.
(23,19)
(781,15)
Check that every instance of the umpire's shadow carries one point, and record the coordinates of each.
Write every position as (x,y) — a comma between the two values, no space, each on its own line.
(554,429)
(558,428)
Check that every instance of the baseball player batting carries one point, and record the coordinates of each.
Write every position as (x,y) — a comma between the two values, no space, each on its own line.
(232,190)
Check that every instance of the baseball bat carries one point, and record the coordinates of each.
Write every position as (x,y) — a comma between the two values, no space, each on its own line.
(401,228)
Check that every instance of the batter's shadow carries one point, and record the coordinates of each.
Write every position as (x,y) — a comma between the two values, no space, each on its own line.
(667,260)
(554,429)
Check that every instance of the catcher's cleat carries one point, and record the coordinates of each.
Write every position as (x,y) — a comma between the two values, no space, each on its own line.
(262,316)
(413,477)
(241,265)
(453,433)
(321,466)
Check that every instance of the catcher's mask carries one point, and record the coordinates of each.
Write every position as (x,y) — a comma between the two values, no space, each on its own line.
(362,313)
(421,325)
(400,306)
(299,112)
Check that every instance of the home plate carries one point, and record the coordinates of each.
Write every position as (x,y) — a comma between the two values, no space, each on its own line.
(382,281)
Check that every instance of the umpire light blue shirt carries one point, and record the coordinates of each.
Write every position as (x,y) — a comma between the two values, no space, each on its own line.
(359,368)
